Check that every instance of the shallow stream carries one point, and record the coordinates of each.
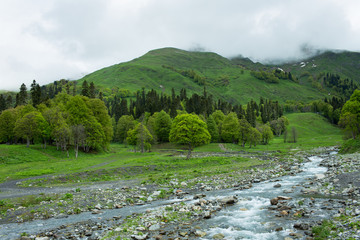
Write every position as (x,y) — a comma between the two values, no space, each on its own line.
(249,218)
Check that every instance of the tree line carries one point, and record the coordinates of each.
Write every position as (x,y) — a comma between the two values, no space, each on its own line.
(65,121)
(91,123)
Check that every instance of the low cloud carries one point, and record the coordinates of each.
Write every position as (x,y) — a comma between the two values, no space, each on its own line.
(49,40)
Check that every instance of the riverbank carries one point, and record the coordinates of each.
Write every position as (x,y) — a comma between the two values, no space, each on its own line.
(178,217)
(117,195)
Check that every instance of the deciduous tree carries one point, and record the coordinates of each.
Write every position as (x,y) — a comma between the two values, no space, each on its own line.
(190,130)
(162,126)
(230,128)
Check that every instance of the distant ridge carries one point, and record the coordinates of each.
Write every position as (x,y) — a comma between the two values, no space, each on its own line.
(229,79)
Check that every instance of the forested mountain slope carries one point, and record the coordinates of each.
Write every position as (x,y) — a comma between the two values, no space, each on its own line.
(168,68)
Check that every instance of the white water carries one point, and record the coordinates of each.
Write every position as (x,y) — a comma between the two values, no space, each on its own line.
(250,218)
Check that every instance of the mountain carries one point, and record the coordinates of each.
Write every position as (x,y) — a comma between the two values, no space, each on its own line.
(346,64)
(229,79)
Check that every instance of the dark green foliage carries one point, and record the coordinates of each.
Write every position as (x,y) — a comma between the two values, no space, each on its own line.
(21,97)
(35,92)
(344,87)
(230,128)
(92,91)
(85,89)
(140,137)
(268,77)
(2,103)
(350,115)
(162,126)
(189,73)
(213,129)
(124,124)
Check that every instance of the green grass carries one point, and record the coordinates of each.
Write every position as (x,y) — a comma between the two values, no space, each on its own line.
(350,146)
(148,72)
(343,63)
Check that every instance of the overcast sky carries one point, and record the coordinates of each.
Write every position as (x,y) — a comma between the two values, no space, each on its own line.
(47,40)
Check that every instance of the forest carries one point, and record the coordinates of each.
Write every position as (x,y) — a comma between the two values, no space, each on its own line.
(85,119)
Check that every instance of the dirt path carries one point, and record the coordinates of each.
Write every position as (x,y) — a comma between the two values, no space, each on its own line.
(10,189)
(222,147)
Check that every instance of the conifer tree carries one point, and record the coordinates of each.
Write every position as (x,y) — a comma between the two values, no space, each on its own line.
(92,93)
(85,89)
(21,97)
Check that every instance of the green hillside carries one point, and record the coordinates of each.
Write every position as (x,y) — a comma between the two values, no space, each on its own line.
(346,64)
(169,68)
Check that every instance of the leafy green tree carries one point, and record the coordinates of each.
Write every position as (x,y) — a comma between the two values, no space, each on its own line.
(78,136)
(350,115)
(213,129)
(190,130)
(279,125)
(230,128)
(125,123)
(266,133)
(7,124)
(254,136)
(162,126)
(244,131)
(218,116)
(80,114)
(150,125)
(30,126)
(100,112)
(140,137)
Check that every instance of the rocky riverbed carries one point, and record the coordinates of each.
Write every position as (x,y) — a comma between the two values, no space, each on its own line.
(181,215)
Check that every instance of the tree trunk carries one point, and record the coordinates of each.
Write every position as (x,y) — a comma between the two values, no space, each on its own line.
(27,142)
(189,152)
(76,150)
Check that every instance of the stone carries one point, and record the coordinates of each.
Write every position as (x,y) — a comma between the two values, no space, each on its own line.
(42,238)
(183,184)
(98,206)
(207,215)
(197,196)
(319,176)
(139,237)
(229,200)
(302,226)
(274,201)
(199,233)
(154,227)
(156,193)
(296,235)
(277,185)
(284,213)
(219,236)
(284,198)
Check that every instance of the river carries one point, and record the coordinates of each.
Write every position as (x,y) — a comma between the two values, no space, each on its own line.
(249,218)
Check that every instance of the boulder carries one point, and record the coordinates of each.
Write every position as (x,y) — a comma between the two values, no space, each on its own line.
(229,200)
